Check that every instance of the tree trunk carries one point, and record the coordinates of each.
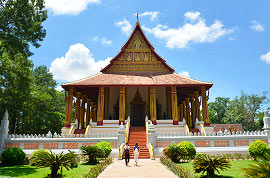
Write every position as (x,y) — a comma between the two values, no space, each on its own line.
(54,171)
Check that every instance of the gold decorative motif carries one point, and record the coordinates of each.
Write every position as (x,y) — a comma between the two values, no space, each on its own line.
(137,42)
(146,56)
(137,56)
(153,57)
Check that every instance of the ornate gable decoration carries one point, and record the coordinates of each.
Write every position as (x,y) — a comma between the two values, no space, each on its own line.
(137,55)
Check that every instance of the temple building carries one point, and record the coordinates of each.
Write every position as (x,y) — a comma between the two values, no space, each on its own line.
(137,83)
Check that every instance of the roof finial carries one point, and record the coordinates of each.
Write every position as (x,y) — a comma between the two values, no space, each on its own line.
(137,18)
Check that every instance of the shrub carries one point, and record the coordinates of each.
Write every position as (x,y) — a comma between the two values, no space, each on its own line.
(174,152)
(180,171)
(55,161)
(210,164)
(106,147)
(258,149)
(260,169)
(13,156)
(93,152)
(97,169)
(35,154)
(189,150)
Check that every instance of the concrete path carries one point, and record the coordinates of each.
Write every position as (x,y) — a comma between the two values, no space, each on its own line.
(146,168)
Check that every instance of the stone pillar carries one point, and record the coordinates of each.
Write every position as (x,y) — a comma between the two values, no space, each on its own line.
(197,106)
(95,113)
(188,112)
(205,107)
(174,105)
(4,130)
(184,111)
(88,113)
(153,105)
(69,107)
(193,111)
(82,111)
(121,135)
(92,111)
(266,123)
(181,107)
(122,105)
(77,108)
(100,112)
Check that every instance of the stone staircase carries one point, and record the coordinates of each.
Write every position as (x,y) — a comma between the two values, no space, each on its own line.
(138,135)
(194,131)
(79,131)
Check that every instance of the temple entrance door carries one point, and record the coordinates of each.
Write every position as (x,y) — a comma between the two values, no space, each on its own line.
(137,110)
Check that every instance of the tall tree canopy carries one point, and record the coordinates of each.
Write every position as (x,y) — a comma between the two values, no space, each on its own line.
(21,24)
(246,110)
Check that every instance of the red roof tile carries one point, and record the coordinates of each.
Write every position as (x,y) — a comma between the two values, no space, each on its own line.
(137,79)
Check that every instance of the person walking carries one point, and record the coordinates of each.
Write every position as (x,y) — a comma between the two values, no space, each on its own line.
(136,153)
(126,152)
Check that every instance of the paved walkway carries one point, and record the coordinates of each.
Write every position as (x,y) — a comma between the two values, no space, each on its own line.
(146,168)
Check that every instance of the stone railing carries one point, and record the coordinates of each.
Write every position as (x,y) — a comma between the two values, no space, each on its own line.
(212,139)
(55,141)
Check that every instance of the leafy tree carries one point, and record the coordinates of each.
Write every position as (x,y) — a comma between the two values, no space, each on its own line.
(245,110)
(54,161)
(15,83)
(210,164)
(217,109)
(21,24)
(46,107)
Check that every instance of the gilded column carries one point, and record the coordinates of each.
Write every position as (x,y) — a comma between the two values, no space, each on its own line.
(92,112)
(205,107)
(169,103)
(95,113)
(188,112)
(193,116)
(88,113)
(174,105)
(77,108)
(69,107)
(153,105)
(197,105)
(181,112)
(185,111)
(100,112)
(122,105)
(82,111)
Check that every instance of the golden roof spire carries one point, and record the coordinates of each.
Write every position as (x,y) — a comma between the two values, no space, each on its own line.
(137,18)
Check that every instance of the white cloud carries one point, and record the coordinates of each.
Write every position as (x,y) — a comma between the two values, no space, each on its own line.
(105,41)
(184,73)
(77,63)
(192,15)
(266,57)
(59,88)
(197,32)
(255,25)
(102,40)
(153,15)
(72,7)
(95,38)
(125,26)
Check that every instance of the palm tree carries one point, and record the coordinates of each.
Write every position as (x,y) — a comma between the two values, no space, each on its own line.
(260,169)
(55,161)
(207,163)
(93,152)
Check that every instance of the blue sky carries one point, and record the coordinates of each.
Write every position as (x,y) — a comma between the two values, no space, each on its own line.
(223,41)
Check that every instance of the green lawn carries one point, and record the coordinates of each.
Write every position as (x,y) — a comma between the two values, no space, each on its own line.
(27,171)
(234,171)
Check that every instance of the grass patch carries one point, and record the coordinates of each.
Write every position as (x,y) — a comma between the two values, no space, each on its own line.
(27,171)
(233,172)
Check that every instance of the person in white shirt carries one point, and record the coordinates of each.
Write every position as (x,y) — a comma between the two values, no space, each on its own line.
(126,152)
(136,153)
